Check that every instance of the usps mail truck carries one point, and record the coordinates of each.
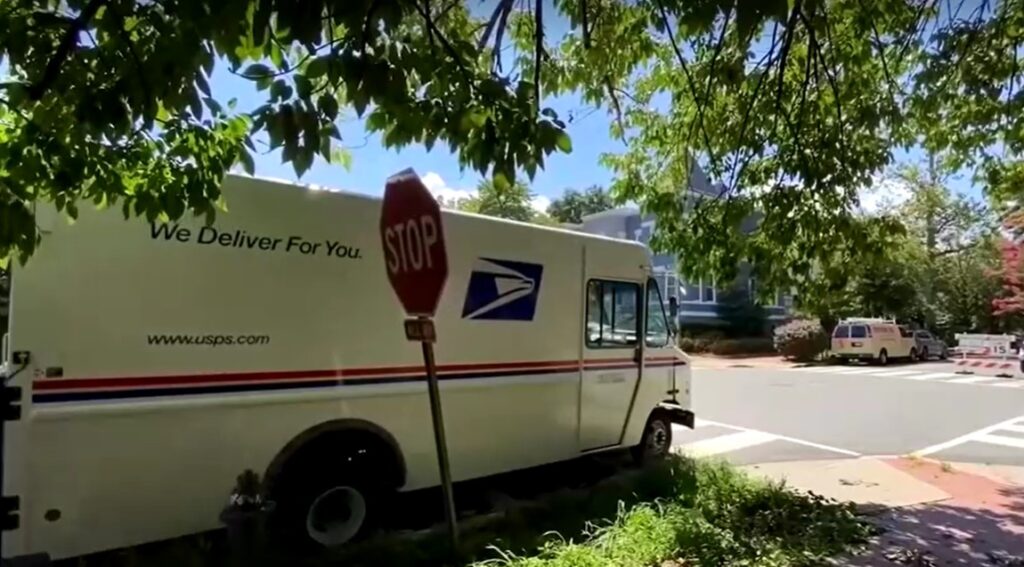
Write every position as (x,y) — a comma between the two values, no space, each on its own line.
(149,364)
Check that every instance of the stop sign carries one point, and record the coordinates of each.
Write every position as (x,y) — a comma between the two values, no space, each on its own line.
(413,242)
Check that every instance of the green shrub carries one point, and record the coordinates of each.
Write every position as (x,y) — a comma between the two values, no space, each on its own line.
(801,340)
(751,345)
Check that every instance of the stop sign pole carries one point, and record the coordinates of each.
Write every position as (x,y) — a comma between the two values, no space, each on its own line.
(417,266)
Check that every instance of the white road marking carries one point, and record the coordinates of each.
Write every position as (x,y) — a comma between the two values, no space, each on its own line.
(1007,383)
(931,376)
(1013,428)
(857,371)
(698,422)
(973,436)
(1001,440)
(725,443)
(973,379)
(790,439)
(896,373)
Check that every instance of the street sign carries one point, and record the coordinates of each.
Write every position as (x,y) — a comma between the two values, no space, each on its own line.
(416,261)
(413,241)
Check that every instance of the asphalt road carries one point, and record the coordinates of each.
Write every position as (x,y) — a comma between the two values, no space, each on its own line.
(752,415)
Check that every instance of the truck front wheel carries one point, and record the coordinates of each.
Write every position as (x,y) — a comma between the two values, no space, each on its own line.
(656,441)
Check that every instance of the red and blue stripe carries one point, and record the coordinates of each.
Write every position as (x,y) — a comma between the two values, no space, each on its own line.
(132,387)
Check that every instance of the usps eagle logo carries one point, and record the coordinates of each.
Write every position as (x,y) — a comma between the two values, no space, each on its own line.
(502,290)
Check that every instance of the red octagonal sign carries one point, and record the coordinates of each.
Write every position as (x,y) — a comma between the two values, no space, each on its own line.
(413,240)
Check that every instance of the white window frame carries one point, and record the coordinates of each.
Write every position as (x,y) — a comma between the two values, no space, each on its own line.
(714,292)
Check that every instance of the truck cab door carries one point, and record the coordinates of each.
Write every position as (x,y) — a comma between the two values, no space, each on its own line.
(613,353)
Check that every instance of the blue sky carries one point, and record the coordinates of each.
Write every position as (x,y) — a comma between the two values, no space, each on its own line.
(372,164)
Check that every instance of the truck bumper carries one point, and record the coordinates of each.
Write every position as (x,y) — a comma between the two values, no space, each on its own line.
(678,415)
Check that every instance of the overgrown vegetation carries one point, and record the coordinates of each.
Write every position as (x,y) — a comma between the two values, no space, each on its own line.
(714,516)
(698,513)
(801,340)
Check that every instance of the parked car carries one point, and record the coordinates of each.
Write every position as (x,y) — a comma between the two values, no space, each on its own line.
(878,340)
(929,345)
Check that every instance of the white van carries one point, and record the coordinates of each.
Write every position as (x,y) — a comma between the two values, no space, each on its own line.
(879,340)
(153,363)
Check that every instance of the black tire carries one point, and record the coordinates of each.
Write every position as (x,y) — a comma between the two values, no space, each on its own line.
(924,354)
(944,355)
(913,354)
(883,357)
(337,498)
(656,442)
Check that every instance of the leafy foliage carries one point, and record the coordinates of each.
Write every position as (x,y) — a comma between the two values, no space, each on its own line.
(742,316)
(801,339)
(499,198)
(573,205)
(791,105)
(109,100)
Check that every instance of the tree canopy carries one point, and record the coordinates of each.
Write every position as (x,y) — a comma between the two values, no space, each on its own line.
(792,104)
(573,205)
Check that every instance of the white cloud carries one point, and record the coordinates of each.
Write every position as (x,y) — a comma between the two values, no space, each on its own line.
(438,187)
(883,194)
(540,203)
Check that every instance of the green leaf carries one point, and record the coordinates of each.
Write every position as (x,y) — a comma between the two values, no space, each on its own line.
(329,106)
(303,87)
(247,163)
(280,90)
(257,70)
(563,142)
(317,67)
(342,157)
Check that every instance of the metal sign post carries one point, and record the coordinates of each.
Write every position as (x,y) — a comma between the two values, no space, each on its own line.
(422,329)
(416,259)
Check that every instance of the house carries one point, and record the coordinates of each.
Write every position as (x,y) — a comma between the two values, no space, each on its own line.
(698,301)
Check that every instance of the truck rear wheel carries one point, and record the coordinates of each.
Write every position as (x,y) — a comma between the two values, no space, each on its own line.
(883,357)
(326,506)
(913,354)
(656,441)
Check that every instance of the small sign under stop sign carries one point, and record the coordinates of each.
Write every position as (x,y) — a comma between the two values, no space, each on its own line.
(416,262)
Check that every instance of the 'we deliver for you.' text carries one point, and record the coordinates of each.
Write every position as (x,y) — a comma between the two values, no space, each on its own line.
(239,238)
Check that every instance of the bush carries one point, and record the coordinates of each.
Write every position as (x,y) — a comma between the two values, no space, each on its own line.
(801,340)
(743,346)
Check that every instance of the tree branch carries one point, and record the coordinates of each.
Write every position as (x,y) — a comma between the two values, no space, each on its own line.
(67,44)
(689,83)
(538,49)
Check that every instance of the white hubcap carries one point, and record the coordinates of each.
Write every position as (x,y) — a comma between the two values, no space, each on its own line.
(336,516)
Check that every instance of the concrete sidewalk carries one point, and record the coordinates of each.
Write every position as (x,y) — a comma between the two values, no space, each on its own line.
(929,513)
(710,361)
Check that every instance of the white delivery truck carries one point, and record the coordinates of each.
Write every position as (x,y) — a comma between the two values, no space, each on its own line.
(151,363)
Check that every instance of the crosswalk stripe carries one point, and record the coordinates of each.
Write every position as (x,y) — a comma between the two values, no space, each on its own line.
(726,443)
(972,379)
(1007,383)
(1000,440)
(1013,428)
(896,373)
(931,376)
(857,371)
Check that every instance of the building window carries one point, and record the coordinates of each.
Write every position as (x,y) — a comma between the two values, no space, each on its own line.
(707,291)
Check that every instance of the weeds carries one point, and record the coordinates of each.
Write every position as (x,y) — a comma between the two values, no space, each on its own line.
(681,512)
